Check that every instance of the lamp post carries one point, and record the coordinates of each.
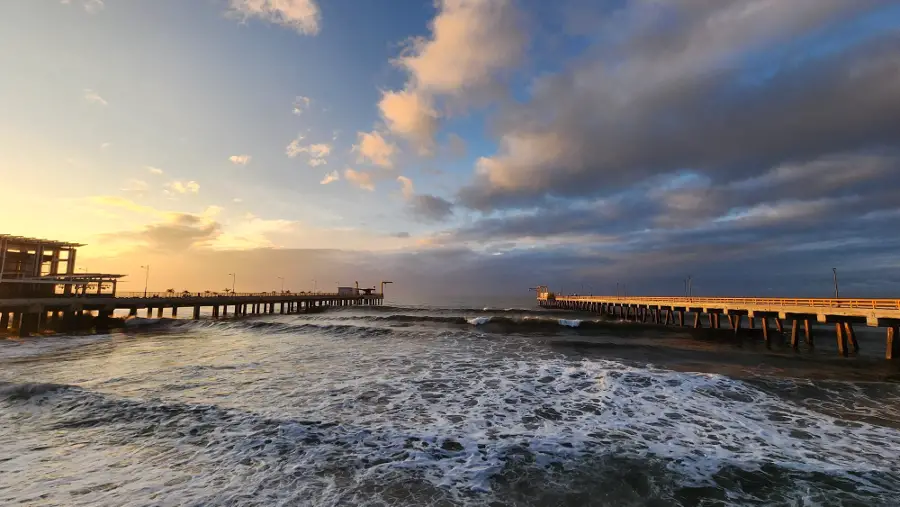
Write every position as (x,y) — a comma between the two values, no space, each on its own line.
(146,277)
(282,283)
(233,280)
(834,271)
(315,286)
(690,286)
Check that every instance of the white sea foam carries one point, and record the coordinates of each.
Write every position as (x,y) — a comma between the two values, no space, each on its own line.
(478,321)
(569,323)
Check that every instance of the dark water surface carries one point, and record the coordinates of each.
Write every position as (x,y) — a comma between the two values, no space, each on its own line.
(441,406)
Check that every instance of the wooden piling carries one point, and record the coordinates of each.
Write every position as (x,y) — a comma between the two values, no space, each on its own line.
(736,324)
(851,336)
(841,340)
(807,333)
(795,344)
(765,330)
(892,348)
(681,318)
(697,320)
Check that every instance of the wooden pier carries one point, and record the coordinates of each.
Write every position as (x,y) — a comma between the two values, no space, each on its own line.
(67,313)
(800,313)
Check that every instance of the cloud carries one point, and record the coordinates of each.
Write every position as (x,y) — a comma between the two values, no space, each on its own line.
(361,179)
(411,115)
(472,47)
(154,170)
(303,16)
(430,208)
(94,98)
(136,186)
(93,6)
(330,178)
(237,200)
(407,186)
(240,159)
(178,232)
(472,43)
(184,187)
(722,88)
(123,203)
(318,152)
(103,146)
(374,148)
(300,105)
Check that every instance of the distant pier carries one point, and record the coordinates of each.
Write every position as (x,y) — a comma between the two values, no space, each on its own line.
(31,315)
(707,313)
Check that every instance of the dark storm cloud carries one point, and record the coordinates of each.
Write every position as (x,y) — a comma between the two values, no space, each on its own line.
(430,208)
(714,94)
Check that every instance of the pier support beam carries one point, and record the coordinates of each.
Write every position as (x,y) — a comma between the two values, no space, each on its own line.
(174,312)
(197,312)
(851,336)
(807,333)
(697,320)
(681,318)
(892,349)
(132,312)
(4,321)
(159,312)
(841,339)
(736,324)
(778,325)
(149,312)
(765,331)
(795,332)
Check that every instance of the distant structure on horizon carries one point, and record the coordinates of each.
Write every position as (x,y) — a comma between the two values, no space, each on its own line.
(37,268)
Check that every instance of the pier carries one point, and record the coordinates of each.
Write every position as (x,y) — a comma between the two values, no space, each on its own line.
(27,316)
(40,289)
(770,314)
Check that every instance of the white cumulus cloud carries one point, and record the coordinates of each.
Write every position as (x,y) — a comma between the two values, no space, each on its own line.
(361,179)
(330,178)
(240,159)
(303,16)
(374,148)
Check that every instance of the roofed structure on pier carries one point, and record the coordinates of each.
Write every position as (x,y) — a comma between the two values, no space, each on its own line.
(38,267)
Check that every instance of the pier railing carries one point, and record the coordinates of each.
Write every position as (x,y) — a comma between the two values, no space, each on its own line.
(141,294)
(874,304)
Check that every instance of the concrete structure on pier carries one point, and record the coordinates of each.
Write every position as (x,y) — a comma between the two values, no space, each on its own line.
(34,267)
(39,289)
(842,313)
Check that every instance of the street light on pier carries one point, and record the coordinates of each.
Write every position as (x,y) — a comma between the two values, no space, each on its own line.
(146,277)
(282,283)
(233,280)
(834,271)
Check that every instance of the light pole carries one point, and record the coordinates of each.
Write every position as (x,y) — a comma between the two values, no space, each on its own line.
(146,277)
(690,286)
(282,283)
(834,271)
(617,289)
(315,286)
(233,280)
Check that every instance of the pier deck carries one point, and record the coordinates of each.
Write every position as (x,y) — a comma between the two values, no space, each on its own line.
(800,312)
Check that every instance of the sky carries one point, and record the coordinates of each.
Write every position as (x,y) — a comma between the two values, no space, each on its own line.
(460,148)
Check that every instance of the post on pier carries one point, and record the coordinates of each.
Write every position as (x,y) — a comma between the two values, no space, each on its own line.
(795,339)
(196,312)
(149,312)
(851,336)
(697,320)
(4,320)
(808,333)
(159,312)
(765,330)
(174,311)
(892,349)
(841,339)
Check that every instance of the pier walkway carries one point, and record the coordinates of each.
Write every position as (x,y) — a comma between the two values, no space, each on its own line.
(67,313)
(799,312)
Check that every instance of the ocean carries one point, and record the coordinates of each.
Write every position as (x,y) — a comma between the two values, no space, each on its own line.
(440,405)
